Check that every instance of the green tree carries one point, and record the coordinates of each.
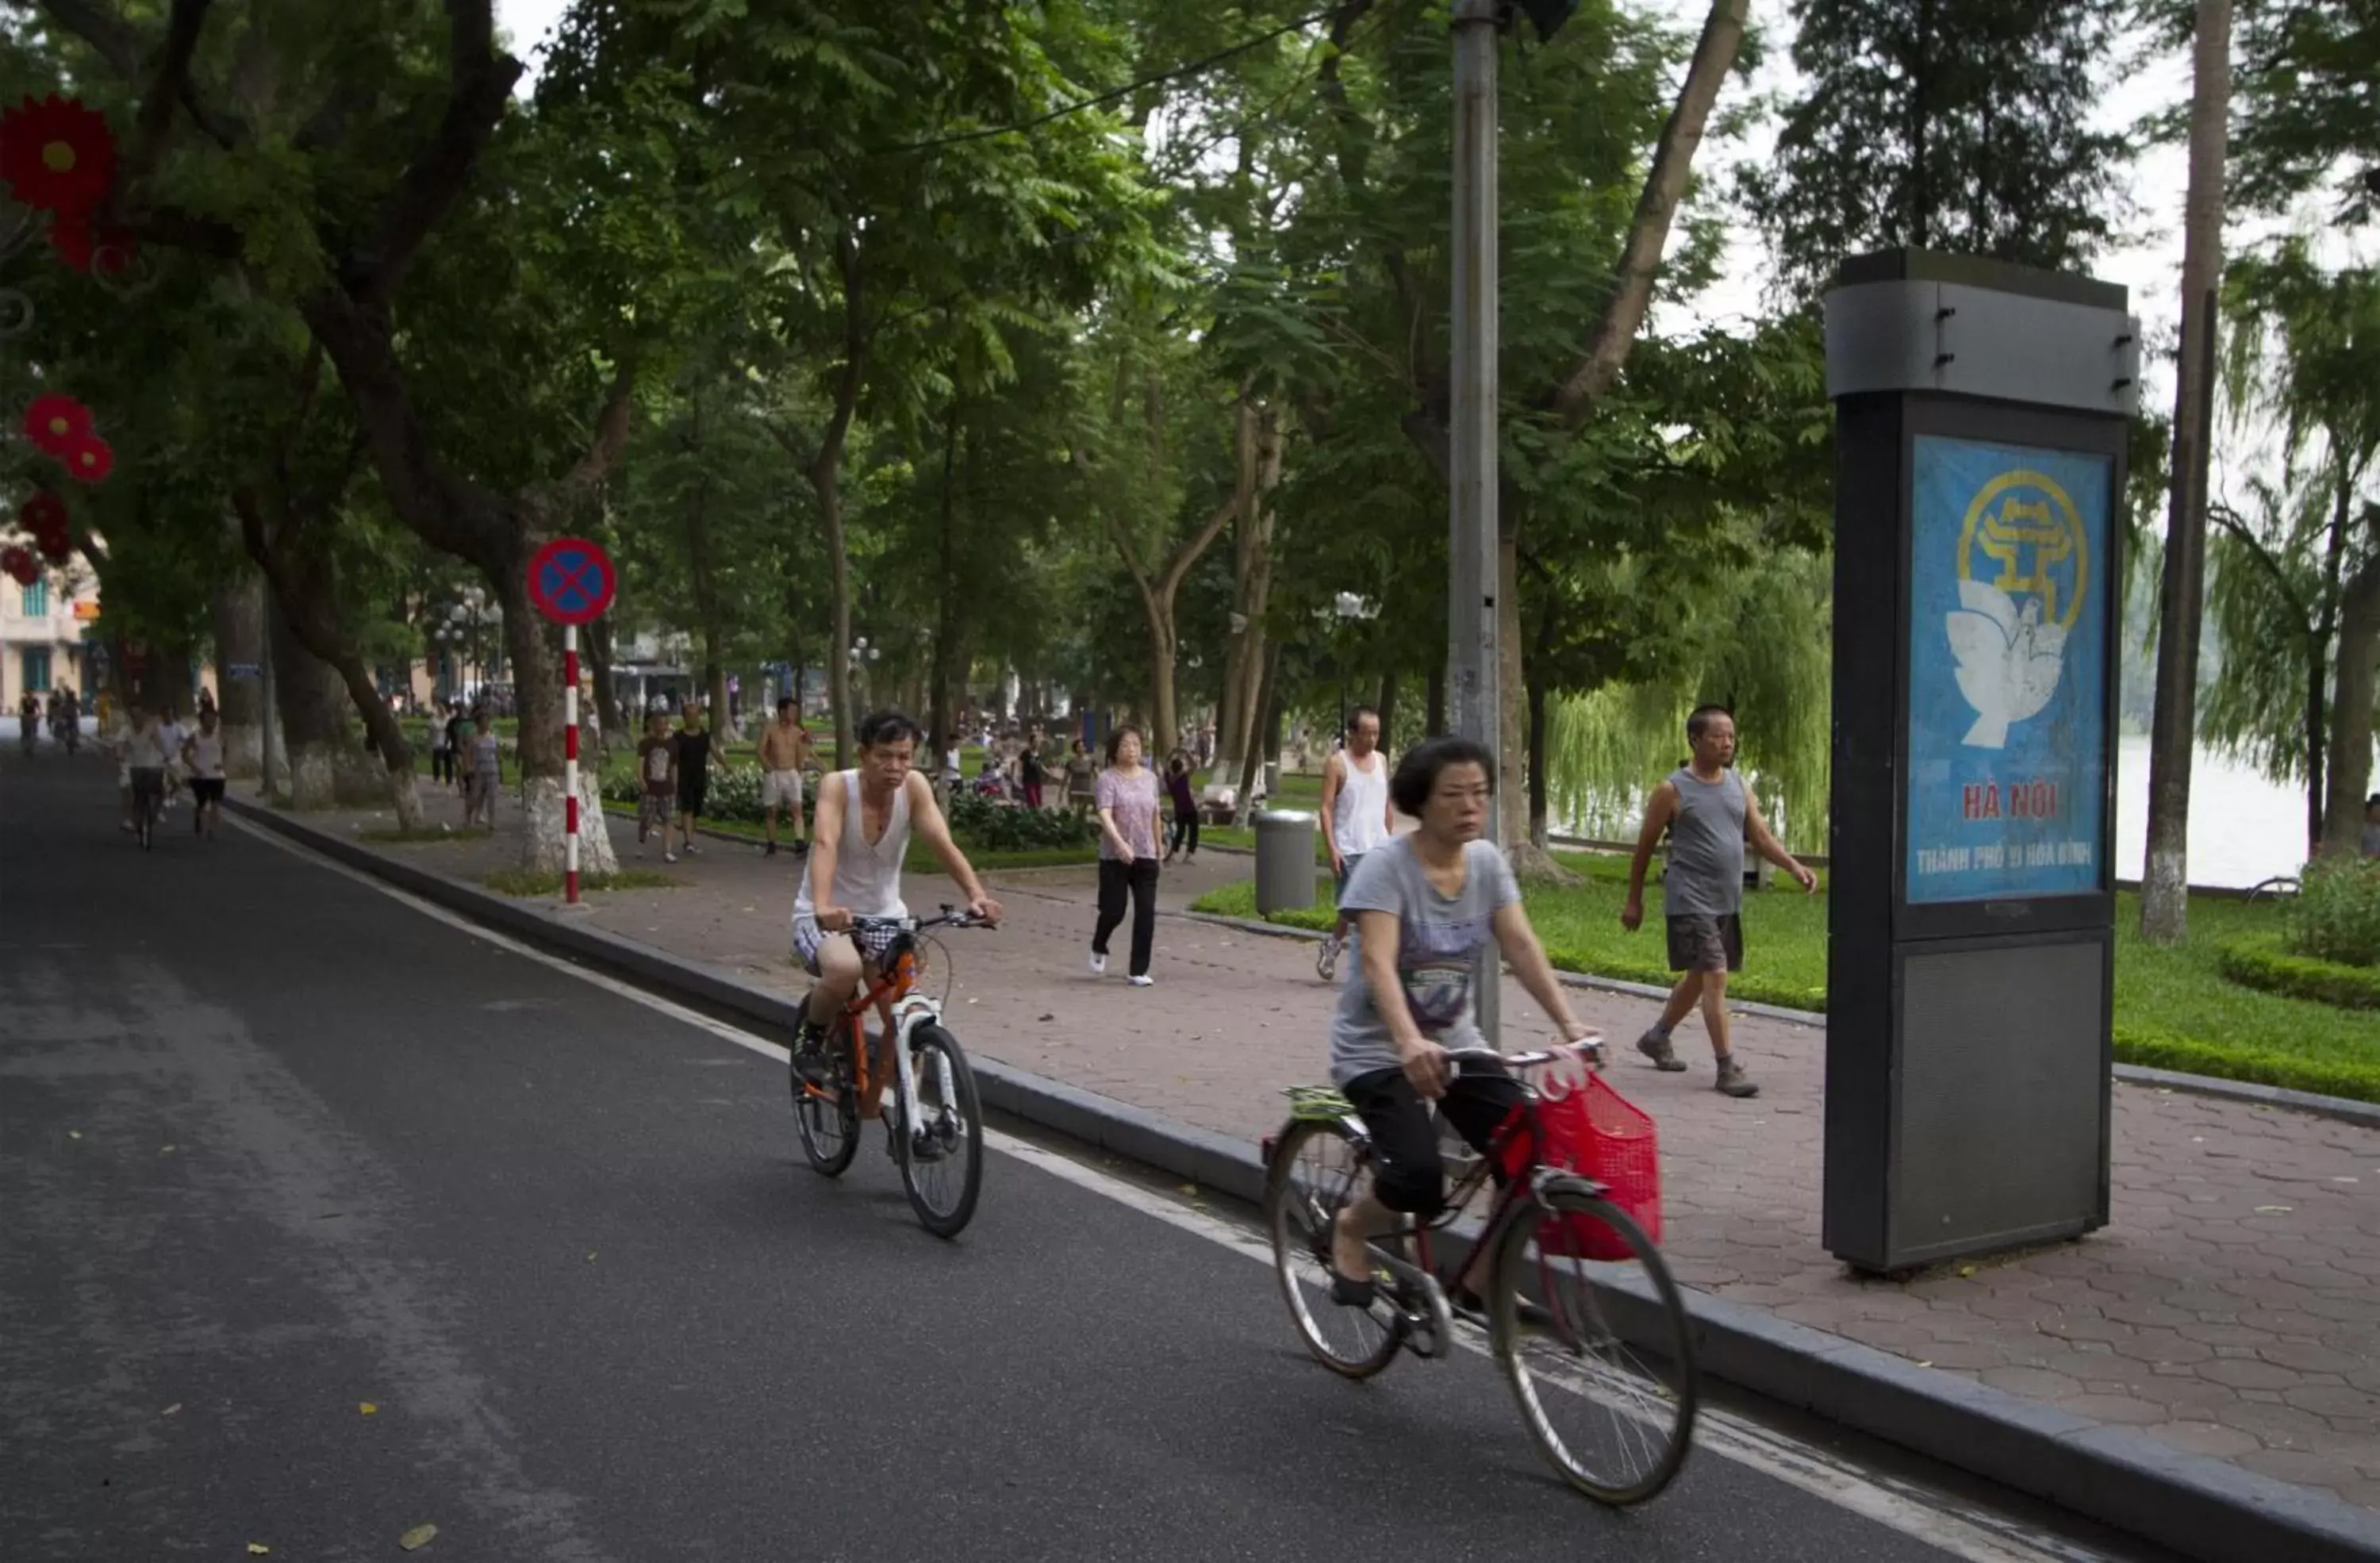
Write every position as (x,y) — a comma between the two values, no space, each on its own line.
(1959,125)
(2306,116)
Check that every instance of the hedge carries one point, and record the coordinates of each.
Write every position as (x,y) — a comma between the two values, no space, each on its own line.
(2262,963)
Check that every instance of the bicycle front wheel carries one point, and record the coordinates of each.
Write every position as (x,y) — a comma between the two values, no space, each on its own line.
(1317,1170)
(1591,1333)
(940,1144)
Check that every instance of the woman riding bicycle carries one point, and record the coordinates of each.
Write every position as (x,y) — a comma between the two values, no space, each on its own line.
(1423,907)
(857,842)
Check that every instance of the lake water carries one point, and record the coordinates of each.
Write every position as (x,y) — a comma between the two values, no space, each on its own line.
(2244,829)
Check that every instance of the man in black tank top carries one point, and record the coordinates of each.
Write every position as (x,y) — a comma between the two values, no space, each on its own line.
(1709,813)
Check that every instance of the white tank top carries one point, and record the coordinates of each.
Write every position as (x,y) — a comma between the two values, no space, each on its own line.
(1362,821)
(866,878)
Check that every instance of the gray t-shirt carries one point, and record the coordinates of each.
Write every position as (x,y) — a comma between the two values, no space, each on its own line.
(1705,872)
(1437,946)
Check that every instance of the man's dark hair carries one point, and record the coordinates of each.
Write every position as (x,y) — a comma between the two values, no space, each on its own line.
(1358,713)
(1115,740)
(2373,802)
(887,726)
(1700,719)
(783,703)
(1417,773)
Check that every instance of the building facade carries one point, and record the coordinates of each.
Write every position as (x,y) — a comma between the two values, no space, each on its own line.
(42,630)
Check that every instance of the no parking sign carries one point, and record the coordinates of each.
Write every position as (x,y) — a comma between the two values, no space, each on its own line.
(571,581)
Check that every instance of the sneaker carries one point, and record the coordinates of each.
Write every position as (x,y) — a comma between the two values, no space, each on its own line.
(1143,980)
(1734,1082)
(669,857)
(769,851)
(1655,1045)
(1098,965)
(689,849)
(809,1054)
(1325,960)
(801,849)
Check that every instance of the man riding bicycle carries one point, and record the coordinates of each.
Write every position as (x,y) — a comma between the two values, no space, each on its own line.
(857,840)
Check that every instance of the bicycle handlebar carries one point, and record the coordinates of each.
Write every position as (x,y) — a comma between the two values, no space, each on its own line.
(951,917)
(1590,1047)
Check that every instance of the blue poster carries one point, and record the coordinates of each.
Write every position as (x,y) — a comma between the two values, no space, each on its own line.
(2008,672)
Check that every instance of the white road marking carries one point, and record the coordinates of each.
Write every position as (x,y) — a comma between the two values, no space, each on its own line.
(1955,1528)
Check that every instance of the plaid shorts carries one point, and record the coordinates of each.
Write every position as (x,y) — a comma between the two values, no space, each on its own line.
(873,938)
(652,810)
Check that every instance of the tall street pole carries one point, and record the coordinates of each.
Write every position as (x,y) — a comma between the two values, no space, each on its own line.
(1472,660)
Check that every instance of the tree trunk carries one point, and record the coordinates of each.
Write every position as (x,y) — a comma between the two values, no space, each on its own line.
(1387,710)
(2316,724)
(950,604)
(239,641)
(2173,729)
(537,688)
(1244,649)
(314,707)
(1434,698)
(1519,830)
(2352,695)
(1244,810)
(1539,835)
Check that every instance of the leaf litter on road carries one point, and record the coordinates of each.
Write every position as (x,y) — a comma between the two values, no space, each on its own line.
(418,1537)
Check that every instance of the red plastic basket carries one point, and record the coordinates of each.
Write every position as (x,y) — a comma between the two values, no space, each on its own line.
(1600,1134)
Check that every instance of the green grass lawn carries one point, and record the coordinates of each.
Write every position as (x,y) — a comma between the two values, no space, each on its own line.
(2174,1008)
(920,859)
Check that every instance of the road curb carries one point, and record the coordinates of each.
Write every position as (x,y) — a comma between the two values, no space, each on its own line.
(2200,1507)
(2346,1110)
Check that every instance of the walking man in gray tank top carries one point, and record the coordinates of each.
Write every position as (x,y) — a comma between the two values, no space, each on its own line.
(1710,812)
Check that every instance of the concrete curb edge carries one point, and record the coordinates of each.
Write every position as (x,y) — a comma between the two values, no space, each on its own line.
(2202,1508)
(2346,1110)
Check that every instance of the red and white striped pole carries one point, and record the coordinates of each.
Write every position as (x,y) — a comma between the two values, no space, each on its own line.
(570,763)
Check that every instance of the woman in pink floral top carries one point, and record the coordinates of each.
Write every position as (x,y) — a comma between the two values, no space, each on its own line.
(1126,800)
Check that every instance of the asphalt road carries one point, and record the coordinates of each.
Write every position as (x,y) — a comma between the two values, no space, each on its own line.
(275,1149)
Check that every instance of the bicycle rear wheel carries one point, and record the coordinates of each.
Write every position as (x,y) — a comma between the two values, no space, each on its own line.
(1318,1168)
(941,1152)
(829,1123)
(1599,1357)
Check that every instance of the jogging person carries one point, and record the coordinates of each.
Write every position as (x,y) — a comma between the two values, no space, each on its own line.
(784,754)
(865,818)
(1709,810)
(142,754)
(1424,904)
(1355,817)
(203,757)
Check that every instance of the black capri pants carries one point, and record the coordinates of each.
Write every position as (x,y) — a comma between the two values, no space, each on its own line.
(1410,1176)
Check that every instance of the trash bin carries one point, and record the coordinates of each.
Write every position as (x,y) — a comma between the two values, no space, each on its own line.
(1285,859)
(1272,779)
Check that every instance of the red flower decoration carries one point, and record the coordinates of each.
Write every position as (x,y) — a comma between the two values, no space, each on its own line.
(20,563)
(43,512)
(56,543)
(82,250)
(89,459)
(54,422)
(57,155)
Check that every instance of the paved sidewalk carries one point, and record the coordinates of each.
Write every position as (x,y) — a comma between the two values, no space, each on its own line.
(2228,1310)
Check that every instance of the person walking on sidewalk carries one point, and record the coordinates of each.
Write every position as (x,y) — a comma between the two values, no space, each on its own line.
(784,754)
(1185,810)
(483,772)
(1126,800)
(1709,811)
(458,737)
(202,753)
(1355,817)
(1427,905)
(1081,778)
(442,745)
(656,782)
(693,771)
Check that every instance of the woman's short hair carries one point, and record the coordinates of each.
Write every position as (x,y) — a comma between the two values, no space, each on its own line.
(1115,740)
(1416,775)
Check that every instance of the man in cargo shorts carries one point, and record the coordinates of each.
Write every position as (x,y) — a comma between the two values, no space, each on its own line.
(1708,811)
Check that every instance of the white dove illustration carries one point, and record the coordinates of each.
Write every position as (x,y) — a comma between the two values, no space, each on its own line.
(2009,660)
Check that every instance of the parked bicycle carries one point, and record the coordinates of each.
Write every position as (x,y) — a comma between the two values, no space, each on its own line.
(1582,1315)
(933,1123)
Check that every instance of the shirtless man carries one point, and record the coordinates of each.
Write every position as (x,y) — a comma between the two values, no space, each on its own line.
(785,752)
